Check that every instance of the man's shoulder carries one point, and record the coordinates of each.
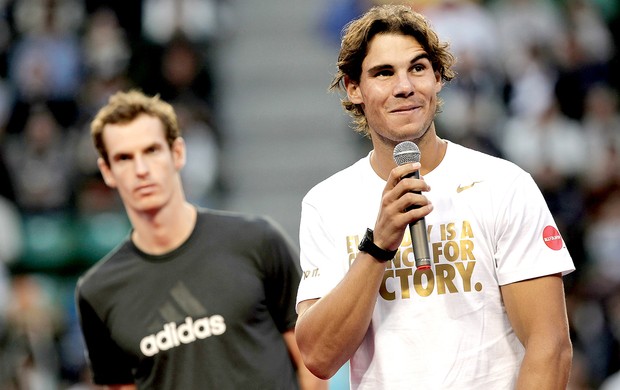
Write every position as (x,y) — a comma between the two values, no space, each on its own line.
(227,223)
(475,160)
(231,218)
(102,269)
(477,155)
(341,182)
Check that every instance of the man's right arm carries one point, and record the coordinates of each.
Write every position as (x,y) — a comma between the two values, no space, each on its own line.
(330,329)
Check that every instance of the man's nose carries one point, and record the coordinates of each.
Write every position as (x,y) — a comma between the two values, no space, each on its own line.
(404,85)
(141,166)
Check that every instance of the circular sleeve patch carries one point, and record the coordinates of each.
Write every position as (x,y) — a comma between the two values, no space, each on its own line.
(552,237)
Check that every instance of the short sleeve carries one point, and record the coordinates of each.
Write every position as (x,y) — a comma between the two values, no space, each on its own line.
(322,264)
(108,363)
(529,244)
(282,276)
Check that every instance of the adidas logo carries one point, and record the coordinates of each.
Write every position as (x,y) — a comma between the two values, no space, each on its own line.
(189,331)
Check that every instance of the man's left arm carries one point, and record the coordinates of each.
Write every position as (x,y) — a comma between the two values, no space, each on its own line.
(537,311)
(307,381)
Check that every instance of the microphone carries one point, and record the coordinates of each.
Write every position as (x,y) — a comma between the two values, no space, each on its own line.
(405,153)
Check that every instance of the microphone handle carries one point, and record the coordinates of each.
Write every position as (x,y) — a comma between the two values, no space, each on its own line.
(420,244)
(419,239)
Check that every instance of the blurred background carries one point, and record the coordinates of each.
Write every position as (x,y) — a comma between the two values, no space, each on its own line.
(537,84)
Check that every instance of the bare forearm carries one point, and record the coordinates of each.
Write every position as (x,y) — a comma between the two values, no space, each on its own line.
(546,367)
(331,330)
(307,381)
(537,311)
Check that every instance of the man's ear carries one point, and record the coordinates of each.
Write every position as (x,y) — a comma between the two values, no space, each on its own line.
(104,168)
(353,90)
(439,82)
(179,153)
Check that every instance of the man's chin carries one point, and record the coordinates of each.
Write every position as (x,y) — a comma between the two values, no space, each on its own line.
(149,207)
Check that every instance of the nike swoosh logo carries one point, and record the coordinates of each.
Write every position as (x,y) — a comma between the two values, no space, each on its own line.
(461,188)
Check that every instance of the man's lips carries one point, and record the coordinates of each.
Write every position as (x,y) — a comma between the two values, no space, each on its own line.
(145,188)
(408,108)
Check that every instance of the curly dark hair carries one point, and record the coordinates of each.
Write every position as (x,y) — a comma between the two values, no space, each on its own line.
(384,19)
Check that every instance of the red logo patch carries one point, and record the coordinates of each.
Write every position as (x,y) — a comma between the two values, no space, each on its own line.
(552,238)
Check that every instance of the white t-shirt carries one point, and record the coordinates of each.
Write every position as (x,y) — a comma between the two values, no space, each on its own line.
(443,328)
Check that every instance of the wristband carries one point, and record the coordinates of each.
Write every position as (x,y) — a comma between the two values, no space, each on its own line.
(367,245)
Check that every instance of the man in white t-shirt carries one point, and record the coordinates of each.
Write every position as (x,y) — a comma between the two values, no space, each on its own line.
(490,313)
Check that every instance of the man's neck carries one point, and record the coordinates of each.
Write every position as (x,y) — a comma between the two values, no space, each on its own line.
(164,230)
(432,151)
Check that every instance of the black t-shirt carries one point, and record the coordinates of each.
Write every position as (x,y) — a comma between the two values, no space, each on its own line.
(208,315)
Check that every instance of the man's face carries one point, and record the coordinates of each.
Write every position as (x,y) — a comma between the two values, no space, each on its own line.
(398,88)
(142,167)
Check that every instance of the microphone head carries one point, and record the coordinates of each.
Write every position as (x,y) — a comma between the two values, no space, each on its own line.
(406,152)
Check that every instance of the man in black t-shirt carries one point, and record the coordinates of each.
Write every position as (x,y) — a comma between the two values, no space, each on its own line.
(193,298)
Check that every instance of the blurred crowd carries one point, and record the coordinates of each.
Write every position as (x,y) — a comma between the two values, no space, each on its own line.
(59,62)
(537,84)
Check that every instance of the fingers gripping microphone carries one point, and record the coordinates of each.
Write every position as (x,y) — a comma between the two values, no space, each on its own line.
(406,153)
